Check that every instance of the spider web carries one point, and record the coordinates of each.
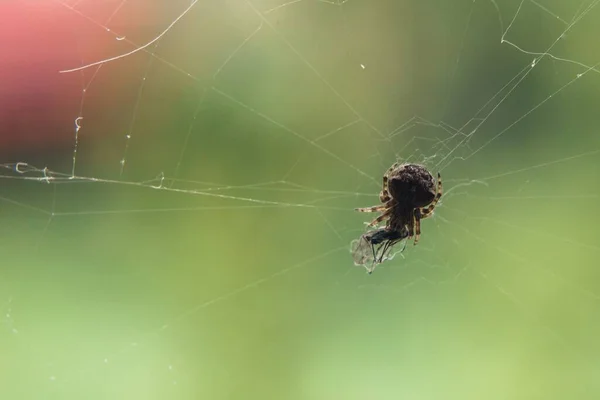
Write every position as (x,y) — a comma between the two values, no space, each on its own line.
(178,183)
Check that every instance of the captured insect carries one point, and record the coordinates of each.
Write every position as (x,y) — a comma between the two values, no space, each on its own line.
(374,247)
(408,195)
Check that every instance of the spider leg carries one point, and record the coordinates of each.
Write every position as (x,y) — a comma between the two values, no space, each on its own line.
(417,223)
(427,211)
(383,216)
(411,229)
(384,195)
(382,207)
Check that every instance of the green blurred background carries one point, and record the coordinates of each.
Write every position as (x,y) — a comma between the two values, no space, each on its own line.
(231,277)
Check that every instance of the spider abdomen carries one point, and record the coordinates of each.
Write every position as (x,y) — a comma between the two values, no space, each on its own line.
(412,186)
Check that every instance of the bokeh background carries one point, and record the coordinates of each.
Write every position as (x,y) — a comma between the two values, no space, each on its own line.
(190,240)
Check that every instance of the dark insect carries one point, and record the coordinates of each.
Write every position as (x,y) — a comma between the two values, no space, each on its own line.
(409,194)
(374,247)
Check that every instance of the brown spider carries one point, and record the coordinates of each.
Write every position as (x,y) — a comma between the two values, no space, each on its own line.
(409,194)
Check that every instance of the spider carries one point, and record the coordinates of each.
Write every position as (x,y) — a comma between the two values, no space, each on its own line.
(409,194)
(375,246)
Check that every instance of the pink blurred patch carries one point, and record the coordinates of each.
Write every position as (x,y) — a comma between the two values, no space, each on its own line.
(34,99)
(38,105)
